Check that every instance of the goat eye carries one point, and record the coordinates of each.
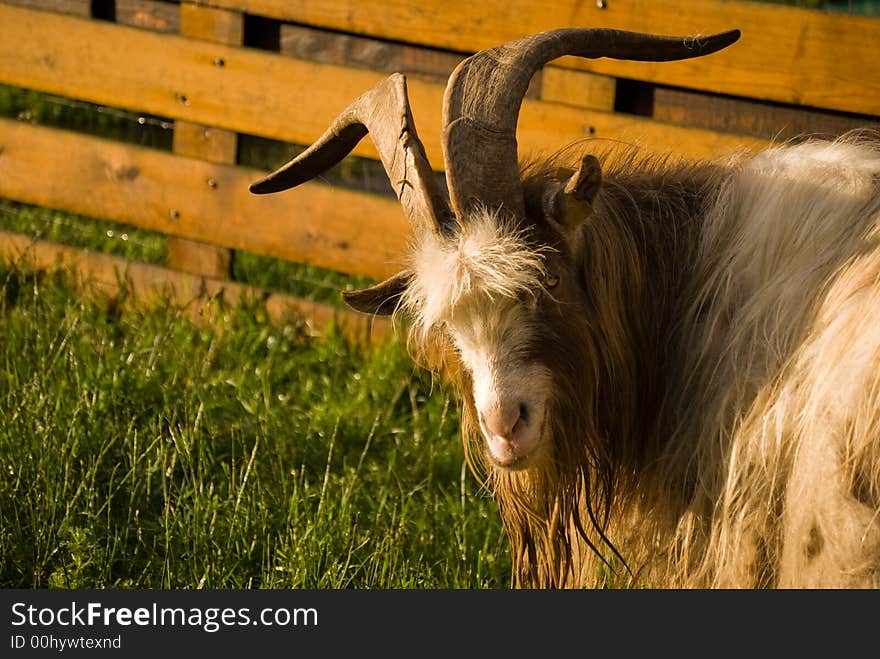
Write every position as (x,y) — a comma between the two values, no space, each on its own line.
(550,281)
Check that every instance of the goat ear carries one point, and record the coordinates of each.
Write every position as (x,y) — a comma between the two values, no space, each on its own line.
(579,190)
(381,299)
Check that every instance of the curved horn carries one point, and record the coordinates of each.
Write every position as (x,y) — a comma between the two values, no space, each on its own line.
(384,113)
(484,95)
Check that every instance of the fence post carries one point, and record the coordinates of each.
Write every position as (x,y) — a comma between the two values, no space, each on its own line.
(226,27)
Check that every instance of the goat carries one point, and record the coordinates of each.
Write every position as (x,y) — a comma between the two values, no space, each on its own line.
(669,371)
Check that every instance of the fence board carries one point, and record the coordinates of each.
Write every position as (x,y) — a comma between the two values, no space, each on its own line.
(329,227)
(155,15)
(80,8)
(759,118)
(348,50)
(211,144)
(217,25)
(786,54)
(580,88)
(263,94)
(221,26)
(148,283)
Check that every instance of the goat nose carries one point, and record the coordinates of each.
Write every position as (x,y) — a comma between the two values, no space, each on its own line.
(505,421)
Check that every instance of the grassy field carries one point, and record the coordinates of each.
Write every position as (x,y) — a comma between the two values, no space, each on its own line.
(139,449)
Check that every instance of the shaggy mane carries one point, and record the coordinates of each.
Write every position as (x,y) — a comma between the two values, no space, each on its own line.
(716,402)
(489,260)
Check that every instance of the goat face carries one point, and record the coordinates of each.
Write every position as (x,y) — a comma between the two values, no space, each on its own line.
(507,297)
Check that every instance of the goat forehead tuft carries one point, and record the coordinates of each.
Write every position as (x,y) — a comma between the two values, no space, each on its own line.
(491,262)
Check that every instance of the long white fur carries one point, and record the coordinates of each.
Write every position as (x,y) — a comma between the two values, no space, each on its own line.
(783,360)
(489,262)
(778,401)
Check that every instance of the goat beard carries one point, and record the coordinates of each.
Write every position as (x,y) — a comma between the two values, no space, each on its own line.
(556,511)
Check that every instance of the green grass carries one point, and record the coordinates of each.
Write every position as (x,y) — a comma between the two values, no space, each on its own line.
(103,121)
(114,238)
(139,449)
(306,281)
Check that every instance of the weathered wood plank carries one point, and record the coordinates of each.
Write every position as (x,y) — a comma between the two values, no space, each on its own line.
(328,47)
(221,26)
(271,95)
(348,50)
(334,228)
(197,141)
(189,255)
(154,15)
(149,283)
(760,118)
(81,8)
(217,25)
(580,88)
(786,54)
(198,258)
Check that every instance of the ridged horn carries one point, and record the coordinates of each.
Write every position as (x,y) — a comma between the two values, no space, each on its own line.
(485,92)
(383,112)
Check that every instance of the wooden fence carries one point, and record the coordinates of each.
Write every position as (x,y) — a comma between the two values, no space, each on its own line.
(282,69)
